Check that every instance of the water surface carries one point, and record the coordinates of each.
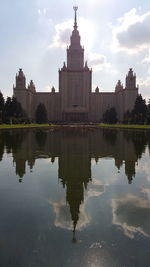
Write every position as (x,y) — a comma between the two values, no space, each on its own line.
(74,197)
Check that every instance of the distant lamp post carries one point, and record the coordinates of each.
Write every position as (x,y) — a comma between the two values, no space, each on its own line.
(10,120)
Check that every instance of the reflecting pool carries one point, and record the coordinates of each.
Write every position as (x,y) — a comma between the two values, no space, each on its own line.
(74,197)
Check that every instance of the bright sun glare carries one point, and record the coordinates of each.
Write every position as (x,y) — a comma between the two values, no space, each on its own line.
(93,2)
(87,33)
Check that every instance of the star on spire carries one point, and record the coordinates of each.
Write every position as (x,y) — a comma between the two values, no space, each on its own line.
(75,17)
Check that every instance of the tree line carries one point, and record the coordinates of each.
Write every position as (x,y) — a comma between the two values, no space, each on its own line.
(139,115)
(11,111)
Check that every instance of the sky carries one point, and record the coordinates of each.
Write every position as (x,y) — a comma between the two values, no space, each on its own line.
(34,36)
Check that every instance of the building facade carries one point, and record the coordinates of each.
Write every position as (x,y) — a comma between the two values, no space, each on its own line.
(75,101)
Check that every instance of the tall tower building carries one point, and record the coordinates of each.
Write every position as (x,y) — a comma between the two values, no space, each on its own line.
(75,80)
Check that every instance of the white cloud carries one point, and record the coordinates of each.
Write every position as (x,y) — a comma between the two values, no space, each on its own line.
(144,166)
(62,209)
(98,61)
(144,84)
(61,39)
(147,192)
(63,31)
(47,88)
(132,34)
(42,11)
(132,214)
(96,189)
(93,2)
(63,217)
(146,60)
(62,34)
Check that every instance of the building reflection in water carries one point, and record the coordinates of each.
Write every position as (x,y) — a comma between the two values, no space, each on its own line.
(74,148)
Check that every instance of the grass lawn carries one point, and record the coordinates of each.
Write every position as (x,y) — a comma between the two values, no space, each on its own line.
(127,126)
(15,126)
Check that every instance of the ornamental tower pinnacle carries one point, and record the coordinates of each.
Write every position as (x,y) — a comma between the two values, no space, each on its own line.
(20,80)
(75,52)
(75,18)
(131,80)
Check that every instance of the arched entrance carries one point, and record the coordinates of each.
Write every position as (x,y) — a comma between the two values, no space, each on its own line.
(76,116)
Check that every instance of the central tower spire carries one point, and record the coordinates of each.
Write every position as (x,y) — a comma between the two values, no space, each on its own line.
(75,18)
(75,52)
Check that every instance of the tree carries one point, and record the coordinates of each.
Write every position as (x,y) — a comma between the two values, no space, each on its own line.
(41,114)
(139,110)
(106,116)
(17,110)
(8,110)
(41,137)
(110,116)
(148,113)
(127,117)
(2,105)
(18,114)
(13,111)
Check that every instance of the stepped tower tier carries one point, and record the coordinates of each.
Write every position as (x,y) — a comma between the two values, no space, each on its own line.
(131,91)
(24,94)
(20,80)
(75,53)
(131,80)
(31,87)
(118,87)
